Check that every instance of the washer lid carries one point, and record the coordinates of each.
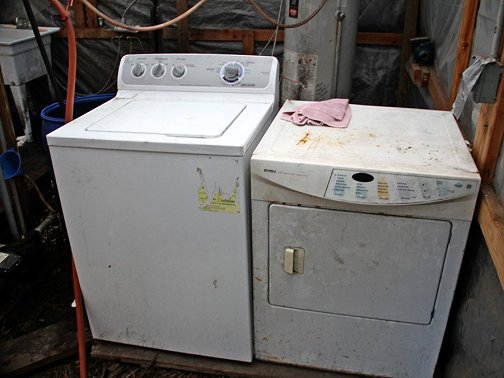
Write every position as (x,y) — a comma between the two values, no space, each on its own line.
(171,122)
(173,118)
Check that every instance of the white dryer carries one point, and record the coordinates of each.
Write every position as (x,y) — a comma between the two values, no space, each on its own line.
(358,237)
(154,187)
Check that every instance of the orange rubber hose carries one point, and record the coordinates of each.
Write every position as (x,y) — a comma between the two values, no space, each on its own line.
(69,108)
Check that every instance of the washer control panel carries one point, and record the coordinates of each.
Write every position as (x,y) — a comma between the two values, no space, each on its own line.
(385,188)
(156,71)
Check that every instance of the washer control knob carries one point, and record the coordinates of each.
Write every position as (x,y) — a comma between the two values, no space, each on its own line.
(158,70)
(232,72)
(138,69)
(178,71)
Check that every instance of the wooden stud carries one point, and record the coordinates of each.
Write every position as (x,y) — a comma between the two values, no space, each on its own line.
(91,18)
(438,91)
(491,220)
(464,44)
(383,39)
(249,43)
(486,148)
(183,27)
(79,11)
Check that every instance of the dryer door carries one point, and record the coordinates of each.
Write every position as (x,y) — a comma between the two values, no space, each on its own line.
(355,264)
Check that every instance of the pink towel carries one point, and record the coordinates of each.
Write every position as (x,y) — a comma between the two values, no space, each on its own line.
(335,113)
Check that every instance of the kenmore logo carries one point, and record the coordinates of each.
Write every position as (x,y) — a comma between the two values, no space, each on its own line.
(269,170)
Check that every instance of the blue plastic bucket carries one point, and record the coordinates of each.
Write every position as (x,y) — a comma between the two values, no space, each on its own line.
(10,163)
(53,116)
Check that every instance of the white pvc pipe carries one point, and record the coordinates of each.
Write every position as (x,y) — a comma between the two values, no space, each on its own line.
(7,206)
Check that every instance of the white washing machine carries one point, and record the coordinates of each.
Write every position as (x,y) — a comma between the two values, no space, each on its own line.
(154,187)
(358,237)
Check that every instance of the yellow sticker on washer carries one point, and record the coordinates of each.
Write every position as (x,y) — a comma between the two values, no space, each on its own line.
(218,201)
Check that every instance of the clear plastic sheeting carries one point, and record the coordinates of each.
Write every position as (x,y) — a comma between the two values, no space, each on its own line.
(376,75)
(376,67)
(97,61)
(130,12)
(376,71)
(381,15)
(441,20)
(222,14)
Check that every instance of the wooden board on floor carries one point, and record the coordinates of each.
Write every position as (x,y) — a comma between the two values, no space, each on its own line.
(37,349)
(257,369)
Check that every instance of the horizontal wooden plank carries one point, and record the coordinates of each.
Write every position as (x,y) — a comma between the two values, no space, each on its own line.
(37,349)
(257,369)
(384,39)
(260,35)
(491,220)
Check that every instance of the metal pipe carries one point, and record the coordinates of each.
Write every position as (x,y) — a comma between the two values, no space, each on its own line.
(498,32)
(46,222)
(17,206)
(7,205)
(340,16)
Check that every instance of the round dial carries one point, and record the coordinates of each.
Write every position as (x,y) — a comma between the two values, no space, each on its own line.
(178,71)
(158,70)
(232,72)
(138,69)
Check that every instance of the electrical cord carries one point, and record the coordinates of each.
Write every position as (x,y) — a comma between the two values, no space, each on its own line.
(127,9)
(259,10)
(108,83)
(274,34)
(143,28)
(277,27)
(39,192)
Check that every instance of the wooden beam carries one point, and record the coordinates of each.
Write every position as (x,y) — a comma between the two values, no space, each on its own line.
(383,39)
(410,26)
(249,43)
(486,148)
(183,27)
(79,14)
(438,91)
(40,348)
(91,18)
(491,220)
(256,369)
(464,44)
(260,35)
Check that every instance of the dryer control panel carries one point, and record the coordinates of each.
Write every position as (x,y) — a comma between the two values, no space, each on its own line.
(386,188)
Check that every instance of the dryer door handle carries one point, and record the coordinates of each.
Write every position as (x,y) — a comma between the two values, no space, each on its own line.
(294,260)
